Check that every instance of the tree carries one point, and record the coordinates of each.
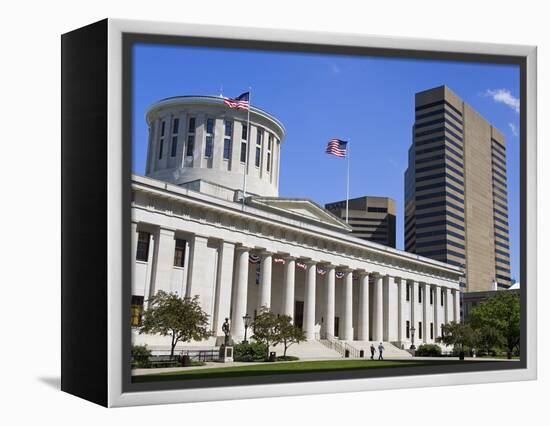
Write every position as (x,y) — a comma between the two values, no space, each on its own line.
(181,318)
(502,313)
(288,333)
(490,338)
(459,336)
(265,327)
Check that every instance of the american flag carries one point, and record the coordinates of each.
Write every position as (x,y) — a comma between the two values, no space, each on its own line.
(337,147)
(240,102)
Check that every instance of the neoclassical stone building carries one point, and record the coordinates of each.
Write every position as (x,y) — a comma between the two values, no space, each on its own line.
(195,234)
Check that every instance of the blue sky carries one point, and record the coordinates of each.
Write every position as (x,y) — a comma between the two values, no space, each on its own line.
(367,100)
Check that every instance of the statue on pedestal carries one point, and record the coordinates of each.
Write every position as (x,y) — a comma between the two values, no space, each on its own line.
(226,349)
(226,328)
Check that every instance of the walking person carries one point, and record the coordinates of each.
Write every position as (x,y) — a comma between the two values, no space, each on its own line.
(372,351)
(380,350)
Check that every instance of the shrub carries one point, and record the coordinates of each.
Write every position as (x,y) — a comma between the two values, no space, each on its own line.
(428,350)
(287,358)
(250,352)
(140,356)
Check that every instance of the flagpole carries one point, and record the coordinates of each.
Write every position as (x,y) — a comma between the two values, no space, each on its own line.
(347,185)
(247,143)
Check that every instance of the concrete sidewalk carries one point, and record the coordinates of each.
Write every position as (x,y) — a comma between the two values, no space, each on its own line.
(211,364)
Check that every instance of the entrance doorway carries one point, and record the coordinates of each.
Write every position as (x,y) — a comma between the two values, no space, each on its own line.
(299,313)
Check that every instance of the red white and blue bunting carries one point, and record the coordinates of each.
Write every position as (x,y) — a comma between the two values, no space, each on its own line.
(321,271)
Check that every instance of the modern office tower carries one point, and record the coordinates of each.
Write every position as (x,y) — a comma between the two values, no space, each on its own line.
(372,218)
(456,206)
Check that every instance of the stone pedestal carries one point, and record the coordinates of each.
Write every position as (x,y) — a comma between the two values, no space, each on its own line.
(226,353)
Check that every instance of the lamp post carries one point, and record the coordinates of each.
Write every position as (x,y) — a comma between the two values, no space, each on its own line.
(246,320)
(412,338)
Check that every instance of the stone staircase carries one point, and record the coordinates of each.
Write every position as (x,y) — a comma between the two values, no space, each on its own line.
(309,350)
(390,350)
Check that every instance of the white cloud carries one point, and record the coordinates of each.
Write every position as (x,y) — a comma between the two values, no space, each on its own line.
(505,97)
(514,129)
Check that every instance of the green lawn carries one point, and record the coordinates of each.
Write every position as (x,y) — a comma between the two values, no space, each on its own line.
(262,369)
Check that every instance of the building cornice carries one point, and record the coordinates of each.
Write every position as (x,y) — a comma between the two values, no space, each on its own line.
(217,101)
(305,231)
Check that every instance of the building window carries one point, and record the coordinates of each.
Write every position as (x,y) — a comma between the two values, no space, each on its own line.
(259,143)
(408,329)
(420,330)
(142,253)
(419,294)
(442,296)
(175,130)
(179,253)
(162,128)
(431,296)
(174,145)
(136,310)
(190,145)
(190,137)
(441,330)
(243,152)
(192,125)
(377,209)
(258,156)
(161,146)
(227,140)
(244,133)
(408,286)
(432,330)
(209,146)
(269,148)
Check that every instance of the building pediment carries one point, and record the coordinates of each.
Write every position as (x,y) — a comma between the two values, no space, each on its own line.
(299,208)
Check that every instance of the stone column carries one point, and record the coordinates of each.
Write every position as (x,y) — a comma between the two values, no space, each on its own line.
(240,294)
(414,301)
(164,260)
(288,293)
(198,263)
(309,300)
(134,233)
(264,295)
(401,293)
(363,313)
(448,305)
(328,312)
(425,302)
(348,305)
(456,295)
(222,308)
(378,317)
(390,320)
(437,321)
